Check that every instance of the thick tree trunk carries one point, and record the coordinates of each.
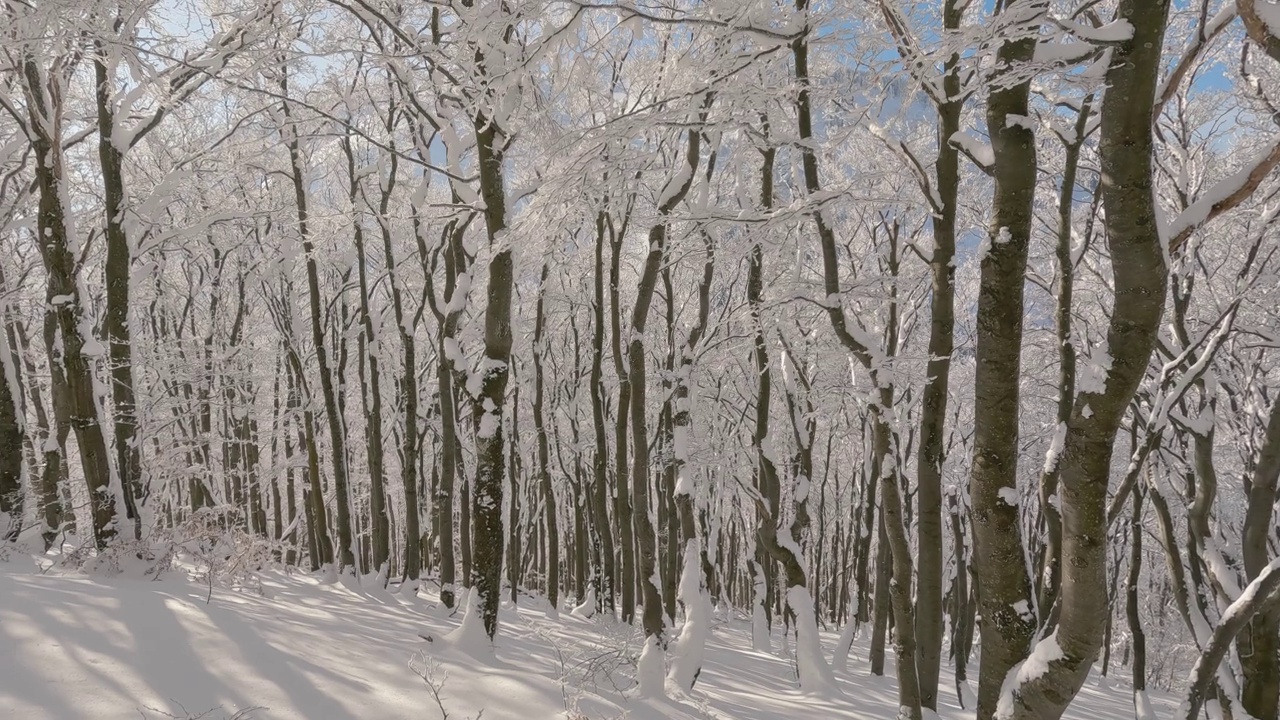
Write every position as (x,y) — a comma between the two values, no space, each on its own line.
(1259,647)
(1139,272)
(74,327)
(1008,620)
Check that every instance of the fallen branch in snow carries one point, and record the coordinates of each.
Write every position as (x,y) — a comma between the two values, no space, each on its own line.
(434,675)
(245,714)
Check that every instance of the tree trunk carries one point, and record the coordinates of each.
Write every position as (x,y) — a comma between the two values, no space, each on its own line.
(1259,647)
(900,592)
(1008,620)
(337,434)
(12,427)
(1141,704)
(488,407)
(116,320)
(622,495)
(646,543)
(52,441)
(372,390)
(73,325)
(933,412)
(544,472)
(687,663)
(1140,274)
(603,577)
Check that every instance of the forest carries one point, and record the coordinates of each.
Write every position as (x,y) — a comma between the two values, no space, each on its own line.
(938,334)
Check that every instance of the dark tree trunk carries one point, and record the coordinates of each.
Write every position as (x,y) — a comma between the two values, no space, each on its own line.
(1139,278)
(1131,607)
(488,407)
(52,440)
(933,413)
(622,510)
(72,324)
(646,542)
(1259,646)
(604,573)
(1008,621)
(118,269)
(371,394)
(333,411)
(544,471)
(12,426)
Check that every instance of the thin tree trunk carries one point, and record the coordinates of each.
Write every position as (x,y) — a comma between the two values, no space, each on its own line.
(12,430)
(900,592)
(52,441)
(622,494)
(933,413)
(603,535)
(544,472)
(117,271)
(1141,703)
(333,412)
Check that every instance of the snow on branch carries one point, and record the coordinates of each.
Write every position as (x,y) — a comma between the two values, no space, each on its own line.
(975,149)
(1262,24)
(1261,593)
(1227,195)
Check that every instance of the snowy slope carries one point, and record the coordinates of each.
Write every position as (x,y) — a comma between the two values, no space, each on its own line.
(79,647)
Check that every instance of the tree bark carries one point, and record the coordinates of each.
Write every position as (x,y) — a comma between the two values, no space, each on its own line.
(604,572)
(1258,644)
(1140,274)
(72,323)
(333,413)
(544,471)
(933,403)
(372,390)
(1008,621)
(116,319)
(488,407)
(646,542)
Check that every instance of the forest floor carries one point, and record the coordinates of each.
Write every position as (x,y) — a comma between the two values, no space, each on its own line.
(294,647)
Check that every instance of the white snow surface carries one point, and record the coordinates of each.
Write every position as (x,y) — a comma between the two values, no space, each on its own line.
(85,647)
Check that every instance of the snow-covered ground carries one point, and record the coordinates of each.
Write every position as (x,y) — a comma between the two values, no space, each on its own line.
(99,648)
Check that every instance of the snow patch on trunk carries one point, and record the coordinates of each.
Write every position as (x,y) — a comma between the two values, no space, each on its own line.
(815,674)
